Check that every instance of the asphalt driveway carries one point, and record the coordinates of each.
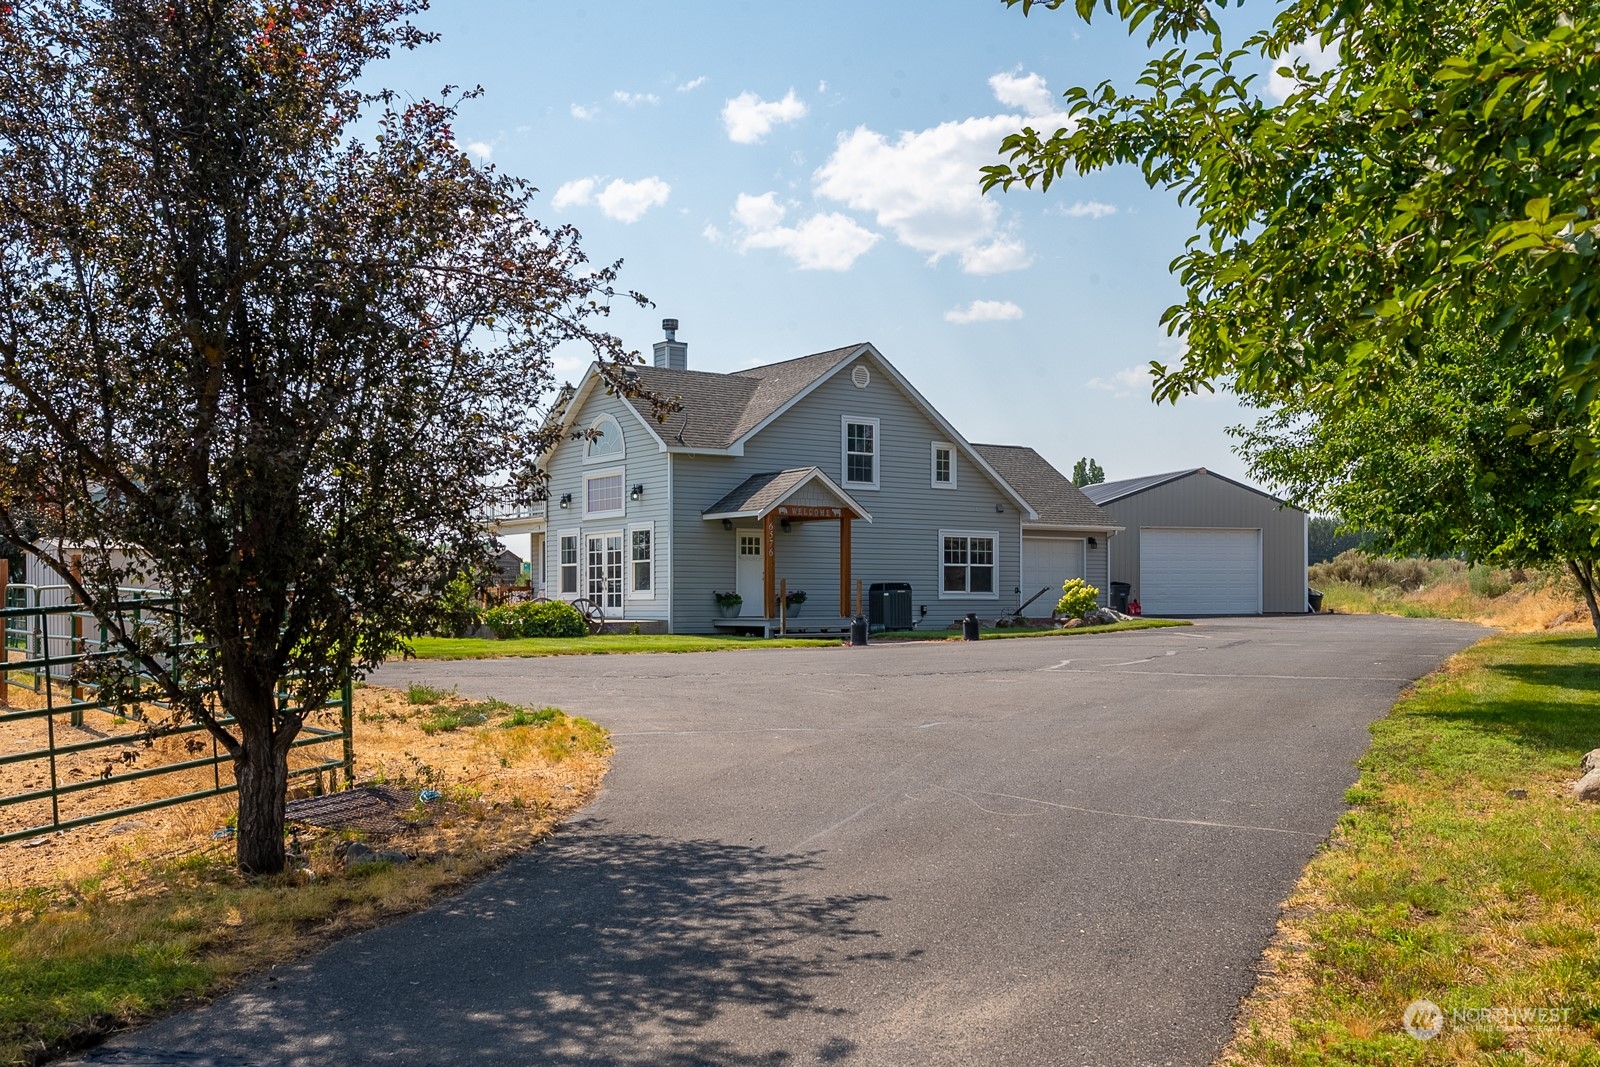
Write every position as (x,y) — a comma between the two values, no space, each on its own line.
(1050,851)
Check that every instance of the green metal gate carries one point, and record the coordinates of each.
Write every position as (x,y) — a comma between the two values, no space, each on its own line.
(46,746)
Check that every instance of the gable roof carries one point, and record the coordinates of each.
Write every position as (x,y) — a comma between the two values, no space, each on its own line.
(723,411)
(1052,495)
(1107,492)
(761,493)
(720,409)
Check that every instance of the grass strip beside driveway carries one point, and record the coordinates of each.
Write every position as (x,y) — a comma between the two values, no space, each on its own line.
(600,645)
(1465,874)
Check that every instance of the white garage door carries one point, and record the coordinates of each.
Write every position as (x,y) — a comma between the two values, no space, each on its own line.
(1200,572)
(1048,561)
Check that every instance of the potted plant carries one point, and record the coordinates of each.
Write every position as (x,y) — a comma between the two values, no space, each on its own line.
(793,601)
(729,603)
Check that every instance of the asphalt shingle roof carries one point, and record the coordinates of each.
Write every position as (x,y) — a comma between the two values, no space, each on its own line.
(1047,490)
(718,409)
(760,491)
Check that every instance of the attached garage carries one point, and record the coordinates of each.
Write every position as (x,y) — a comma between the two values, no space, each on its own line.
(1197,543)
(1048,563)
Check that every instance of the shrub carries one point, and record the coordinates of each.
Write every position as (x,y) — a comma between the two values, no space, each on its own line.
(1078,598)
(550,618)
(1355,567)
(1484,580)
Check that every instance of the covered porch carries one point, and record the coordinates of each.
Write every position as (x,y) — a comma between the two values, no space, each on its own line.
(772,503)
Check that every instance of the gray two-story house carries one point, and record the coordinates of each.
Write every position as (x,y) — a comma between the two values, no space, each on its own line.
(823,474)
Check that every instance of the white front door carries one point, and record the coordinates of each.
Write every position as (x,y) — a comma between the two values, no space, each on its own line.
(750,573)
(604,567)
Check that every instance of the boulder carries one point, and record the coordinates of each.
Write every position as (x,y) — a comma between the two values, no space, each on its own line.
(1588,787)
(1591,762)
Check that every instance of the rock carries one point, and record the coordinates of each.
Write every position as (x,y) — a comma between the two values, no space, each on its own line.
(357,853)
(1591,762)
(1560,620)
(1517,794)
(1071,624)
(1104,617)
(127,826)
(1588,787)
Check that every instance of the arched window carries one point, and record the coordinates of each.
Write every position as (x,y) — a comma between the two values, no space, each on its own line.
(609,445)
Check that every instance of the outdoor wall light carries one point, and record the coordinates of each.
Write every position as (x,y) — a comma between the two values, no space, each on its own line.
(637,492)
(566,500)
(727,524)
(998,508)
(783,524)
(1093,543)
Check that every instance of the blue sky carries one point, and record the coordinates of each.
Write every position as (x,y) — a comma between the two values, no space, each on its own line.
(789,178)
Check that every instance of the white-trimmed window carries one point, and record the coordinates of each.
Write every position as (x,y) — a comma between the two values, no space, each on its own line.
(944,465)
(609,445)
(604,495)
(967,565)
(859,445)
(568,564)
(642,562)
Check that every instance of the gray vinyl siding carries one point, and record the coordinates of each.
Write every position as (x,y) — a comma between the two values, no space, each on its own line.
(1201,501)
(643,464)
(902,542)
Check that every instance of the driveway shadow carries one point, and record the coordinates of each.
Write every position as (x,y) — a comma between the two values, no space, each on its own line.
(600,948)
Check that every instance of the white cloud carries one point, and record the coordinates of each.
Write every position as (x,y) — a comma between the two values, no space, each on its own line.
(748,118)
(983,311)
(620,200)
(1000,255)
(1124,382)
(692,84)
(482,149)
(822,242)
(758,212)
(577,191)
(634,99)
(583,114)
(712,234)
(1087,209)
(628,201)
(1317,59)
(1027,91)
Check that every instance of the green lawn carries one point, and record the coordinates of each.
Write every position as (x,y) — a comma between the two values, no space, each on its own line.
(989,633)
(1445,882)
(599,645)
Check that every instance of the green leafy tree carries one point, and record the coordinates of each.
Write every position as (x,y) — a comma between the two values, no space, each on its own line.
(1329,535)
(1087,472)
(271,333)
(1469,451)
(1442,168)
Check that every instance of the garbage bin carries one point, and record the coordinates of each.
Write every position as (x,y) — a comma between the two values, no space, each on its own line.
(1314,600)
(1119,596)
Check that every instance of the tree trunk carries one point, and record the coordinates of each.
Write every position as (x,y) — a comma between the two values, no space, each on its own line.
(263,777)
(1584,573)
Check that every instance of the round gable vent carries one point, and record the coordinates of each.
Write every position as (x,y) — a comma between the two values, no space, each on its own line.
(861,376)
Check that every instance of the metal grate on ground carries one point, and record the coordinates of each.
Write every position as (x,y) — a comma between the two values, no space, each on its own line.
(374,809)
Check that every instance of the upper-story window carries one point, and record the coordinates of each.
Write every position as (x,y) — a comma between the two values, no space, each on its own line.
(608,445)
(860,445)
(603,494)
(944,465)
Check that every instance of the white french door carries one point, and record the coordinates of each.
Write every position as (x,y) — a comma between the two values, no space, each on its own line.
(605,569)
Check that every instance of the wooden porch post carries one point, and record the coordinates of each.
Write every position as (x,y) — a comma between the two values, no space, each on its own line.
(769,567)
(844,564)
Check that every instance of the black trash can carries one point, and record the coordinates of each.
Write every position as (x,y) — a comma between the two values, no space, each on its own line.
(1120,592)
(1314,600)
(969,627)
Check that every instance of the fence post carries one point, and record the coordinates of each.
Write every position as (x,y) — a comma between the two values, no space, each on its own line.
(5,634)
(77,643)
(347,725)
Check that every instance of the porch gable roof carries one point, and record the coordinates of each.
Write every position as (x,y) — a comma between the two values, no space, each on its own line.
(761,494)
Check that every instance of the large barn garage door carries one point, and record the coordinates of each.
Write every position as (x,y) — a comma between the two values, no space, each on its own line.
(1200,572)
(1048,561)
